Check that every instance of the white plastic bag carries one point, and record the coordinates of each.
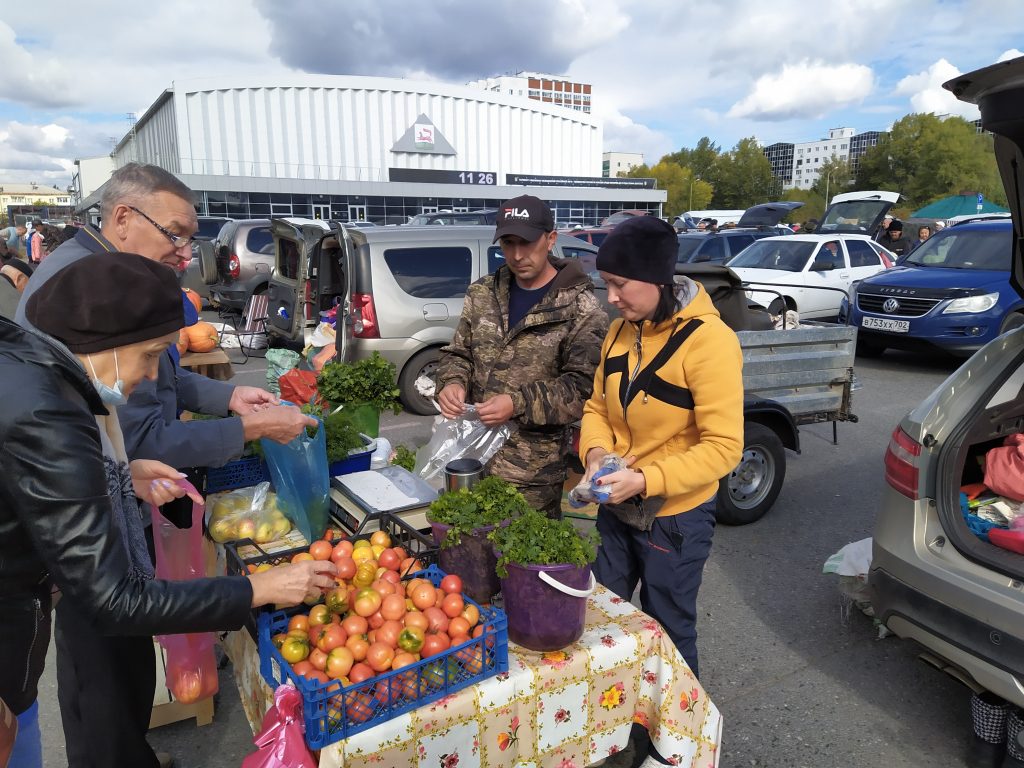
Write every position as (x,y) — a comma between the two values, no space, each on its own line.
(463,438)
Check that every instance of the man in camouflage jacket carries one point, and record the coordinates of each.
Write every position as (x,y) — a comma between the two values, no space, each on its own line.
(525,351)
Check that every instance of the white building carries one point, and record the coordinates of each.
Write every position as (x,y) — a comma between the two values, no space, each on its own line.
(373,148)
(553,89)
(91,173)
(808,156)
(614,163)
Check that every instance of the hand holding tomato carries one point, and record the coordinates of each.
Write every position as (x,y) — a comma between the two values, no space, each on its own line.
(291,584)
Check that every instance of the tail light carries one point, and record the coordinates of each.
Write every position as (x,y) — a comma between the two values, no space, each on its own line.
(901,468)
(307,300)
(234,266)
(364,315)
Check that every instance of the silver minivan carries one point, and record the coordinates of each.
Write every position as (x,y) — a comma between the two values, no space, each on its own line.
(399,289)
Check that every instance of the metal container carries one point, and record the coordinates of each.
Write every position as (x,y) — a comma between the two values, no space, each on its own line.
(462,473)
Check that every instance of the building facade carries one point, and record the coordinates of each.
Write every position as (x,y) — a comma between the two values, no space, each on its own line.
(614,163)
(551,89)
(860,144)
(27,194)
(808,156)
(780,156)
(358,148)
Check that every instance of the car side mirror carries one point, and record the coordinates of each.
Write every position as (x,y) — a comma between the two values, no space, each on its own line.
(822,266)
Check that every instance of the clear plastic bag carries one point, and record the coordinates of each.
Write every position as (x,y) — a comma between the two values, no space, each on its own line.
(463,438)
(247,513)
(587,491)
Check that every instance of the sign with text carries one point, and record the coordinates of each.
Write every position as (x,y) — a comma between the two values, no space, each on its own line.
(533,180)
(438,176)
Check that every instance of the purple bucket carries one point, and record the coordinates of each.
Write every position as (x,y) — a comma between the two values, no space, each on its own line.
(546,605)
(472,559)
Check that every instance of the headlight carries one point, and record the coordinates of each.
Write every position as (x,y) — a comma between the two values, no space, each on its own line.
(972,304)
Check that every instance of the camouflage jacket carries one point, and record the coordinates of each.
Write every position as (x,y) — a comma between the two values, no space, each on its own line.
(546,363)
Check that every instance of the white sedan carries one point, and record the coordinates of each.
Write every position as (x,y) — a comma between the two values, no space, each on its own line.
(808,273)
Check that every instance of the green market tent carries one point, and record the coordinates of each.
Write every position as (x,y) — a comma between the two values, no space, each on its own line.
(956,205)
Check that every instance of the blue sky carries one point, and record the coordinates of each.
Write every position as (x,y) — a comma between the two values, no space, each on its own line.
(664,72)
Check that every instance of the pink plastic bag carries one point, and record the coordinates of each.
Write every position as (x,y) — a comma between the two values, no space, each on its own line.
(280,743)
(191,665)
(1004,468)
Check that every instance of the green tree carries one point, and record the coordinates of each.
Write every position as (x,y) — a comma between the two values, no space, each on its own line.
(701,159)
(685,192)
(813,205)
(926,158)
(835,176)
(742,177)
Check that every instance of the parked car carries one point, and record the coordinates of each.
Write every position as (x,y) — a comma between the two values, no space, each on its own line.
(593,235)
(620,216)
(244,254)
(399,290)
(359,224)
(201,271)
(449,218)
(951,293)
(698,246)
(933,580)
(811,274)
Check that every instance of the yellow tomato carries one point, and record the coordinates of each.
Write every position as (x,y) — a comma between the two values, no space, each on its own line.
(363,555)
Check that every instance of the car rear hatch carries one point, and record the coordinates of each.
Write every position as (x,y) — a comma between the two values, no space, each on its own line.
(290,295)
(857,213)
(766,214)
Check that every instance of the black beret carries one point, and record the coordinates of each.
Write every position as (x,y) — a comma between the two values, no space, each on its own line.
(107,300)
(641,248)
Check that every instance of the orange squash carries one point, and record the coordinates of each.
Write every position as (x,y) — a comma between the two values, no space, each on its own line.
(182,342)
(197,302)
(202,337)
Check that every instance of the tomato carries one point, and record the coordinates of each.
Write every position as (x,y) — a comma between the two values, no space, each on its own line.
(317,676)
(302,667)
(355,625)
(471,658)
(367,602)
(302,556)
(424,596)
(364,555)
(417,619)
(346,566)
(403,659)
(388,559)
(410,565)
(315,632)
(361,543)
(411,639)
(402,554)
(471,614)
(388,633)
(451,584)
(294,650)
(434,644)
(321,550)
(394,578)
(337,600)
(376,620)
(365,574)
(319,614)
(187,687)
(318,659)
(393,608)
(299,622)
(380,539)
(278,639)
(452,605)
(360,672)
(342,549)
(358,645)
(339,662)
(333,637)
(458,626)
(383,586)
(438,620)
(360,707)
(379,657)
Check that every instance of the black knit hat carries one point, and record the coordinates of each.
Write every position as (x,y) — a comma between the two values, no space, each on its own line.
(895,225)
(22,266)
(108,300)
(641,248)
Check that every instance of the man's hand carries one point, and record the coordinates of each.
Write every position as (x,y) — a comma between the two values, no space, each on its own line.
(622,485)
(246,400)
(281,423)
(452,400)
(156,483)
(495,411)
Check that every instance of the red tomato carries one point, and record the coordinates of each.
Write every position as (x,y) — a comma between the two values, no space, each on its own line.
(424,596)
(471,614)
(389,632)
(384,587)
(393,607)
(345,564)
(317,676)
(451,584)
(333,637)
(360,672)
(402,554)
(315,632)
(379,657)
(416,619)
(452,605)
(318,659)
(394,578)
(458,627)
(434,644)
(438,620)
(299,622)
(367,602)
(339,662)
(302,667)
(342,549)
(358,645)
(388,559)
(376,620)
(360,707)
(321,550)
(355,625)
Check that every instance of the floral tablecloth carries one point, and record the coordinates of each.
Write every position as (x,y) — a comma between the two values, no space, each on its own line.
(564,709)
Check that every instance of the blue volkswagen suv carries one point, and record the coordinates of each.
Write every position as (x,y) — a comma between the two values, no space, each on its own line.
(952,293)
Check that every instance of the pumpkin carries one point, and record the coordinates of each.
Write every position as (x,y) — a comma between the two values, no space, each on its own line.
(202,337)
(182,342)
(194,298)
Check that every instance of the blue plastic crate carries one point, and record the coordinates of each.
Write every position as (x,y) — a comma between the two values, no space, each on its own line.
(332,713)
(356,462)
(241,473)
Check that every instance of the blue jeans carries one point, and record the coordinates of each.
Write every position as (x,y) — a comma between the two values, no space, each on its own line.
(667,562)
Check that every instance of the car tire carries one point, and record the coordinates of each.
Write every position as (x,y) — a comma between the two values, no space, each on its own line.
(748,492)
(207,262)
(423,363)
(867,348)
(1011,322)
(777,307)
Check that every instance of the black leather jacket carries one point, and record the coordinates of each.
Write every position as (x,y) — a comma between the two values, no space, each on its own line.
(56,523)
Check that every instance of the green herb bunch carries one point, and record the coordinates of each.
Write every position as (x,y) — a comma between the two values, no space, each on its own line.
(341,436)
(405,457)
(490,502)
(535,539)
(370,380)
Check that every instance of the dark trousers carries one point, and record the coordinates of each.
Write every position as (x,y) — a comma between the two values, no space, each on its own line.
(23,642)
(105,687)
(667,562)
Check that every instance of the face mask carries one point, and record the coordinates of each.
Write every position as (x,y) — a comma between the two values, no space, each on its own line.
(110,395)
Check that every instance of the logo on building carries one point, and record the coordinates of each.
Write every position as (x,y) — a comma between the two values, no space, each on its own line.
(423,137)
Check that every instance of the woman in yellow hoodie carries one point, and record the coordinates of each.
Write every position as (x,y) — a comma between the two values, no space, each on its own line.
(668,398)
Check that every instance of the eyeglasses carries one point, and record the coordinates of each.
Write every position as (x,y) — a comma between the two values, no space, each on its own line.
(178,241)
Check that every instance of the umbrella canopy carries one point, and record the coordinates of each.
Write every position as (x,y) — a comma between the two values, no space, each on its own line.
(956,205)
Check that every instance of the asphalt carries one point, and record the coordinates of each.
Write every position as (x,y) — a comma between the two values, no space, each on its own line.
(801,680)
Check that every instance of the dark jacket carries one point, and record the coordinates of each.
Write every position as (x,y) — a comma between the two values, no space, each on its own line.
(546,363)
(149,420)
(9,297)
(899,246)
(56,523)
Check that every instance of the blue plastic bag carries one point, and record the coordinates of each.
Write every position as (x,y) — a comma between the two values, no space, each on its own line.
(299,474)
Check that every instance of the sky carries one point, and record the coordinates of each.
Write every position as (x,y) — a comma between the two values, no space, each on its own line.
(664,72)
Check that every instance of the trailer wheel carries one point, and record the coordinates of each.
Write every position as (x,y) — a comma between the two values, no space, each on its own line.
(749,491)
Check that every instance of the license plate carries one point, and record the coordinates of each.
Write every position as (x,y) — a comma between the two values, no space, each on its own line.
(884,324)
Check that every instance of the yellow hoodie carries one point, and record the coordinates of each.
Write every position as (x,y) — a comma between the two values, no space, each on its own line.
(684,423)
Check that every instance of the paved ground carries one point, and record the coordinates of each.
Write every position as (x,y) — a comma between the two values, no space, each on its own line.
(800,681)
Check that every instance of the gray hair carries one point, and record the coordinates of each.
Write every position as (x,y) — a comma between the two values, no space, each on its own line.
(132,183)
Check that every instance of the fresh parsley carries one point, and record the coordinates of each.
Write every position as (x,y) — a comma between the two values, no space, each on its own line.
(535,539)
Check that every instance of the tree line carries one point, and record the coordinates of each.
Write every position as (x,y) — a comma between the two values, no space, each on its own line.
(923,157)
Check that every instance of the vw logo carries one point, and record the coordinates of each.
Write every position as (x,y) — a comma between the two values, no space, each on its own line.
(890,306)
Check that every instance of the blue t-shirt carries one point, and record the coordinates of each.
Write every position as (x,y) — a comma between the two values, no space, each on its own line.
(522,300)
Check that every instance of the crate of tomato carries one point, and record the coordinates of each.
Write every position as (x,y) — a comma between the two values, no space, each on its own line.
(362,657)
(401,547)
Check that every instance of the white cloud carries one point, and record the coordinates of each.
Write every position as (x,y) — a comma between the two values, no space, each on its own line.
(926,93)
(623,134)
(1013,53)
(808,89)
